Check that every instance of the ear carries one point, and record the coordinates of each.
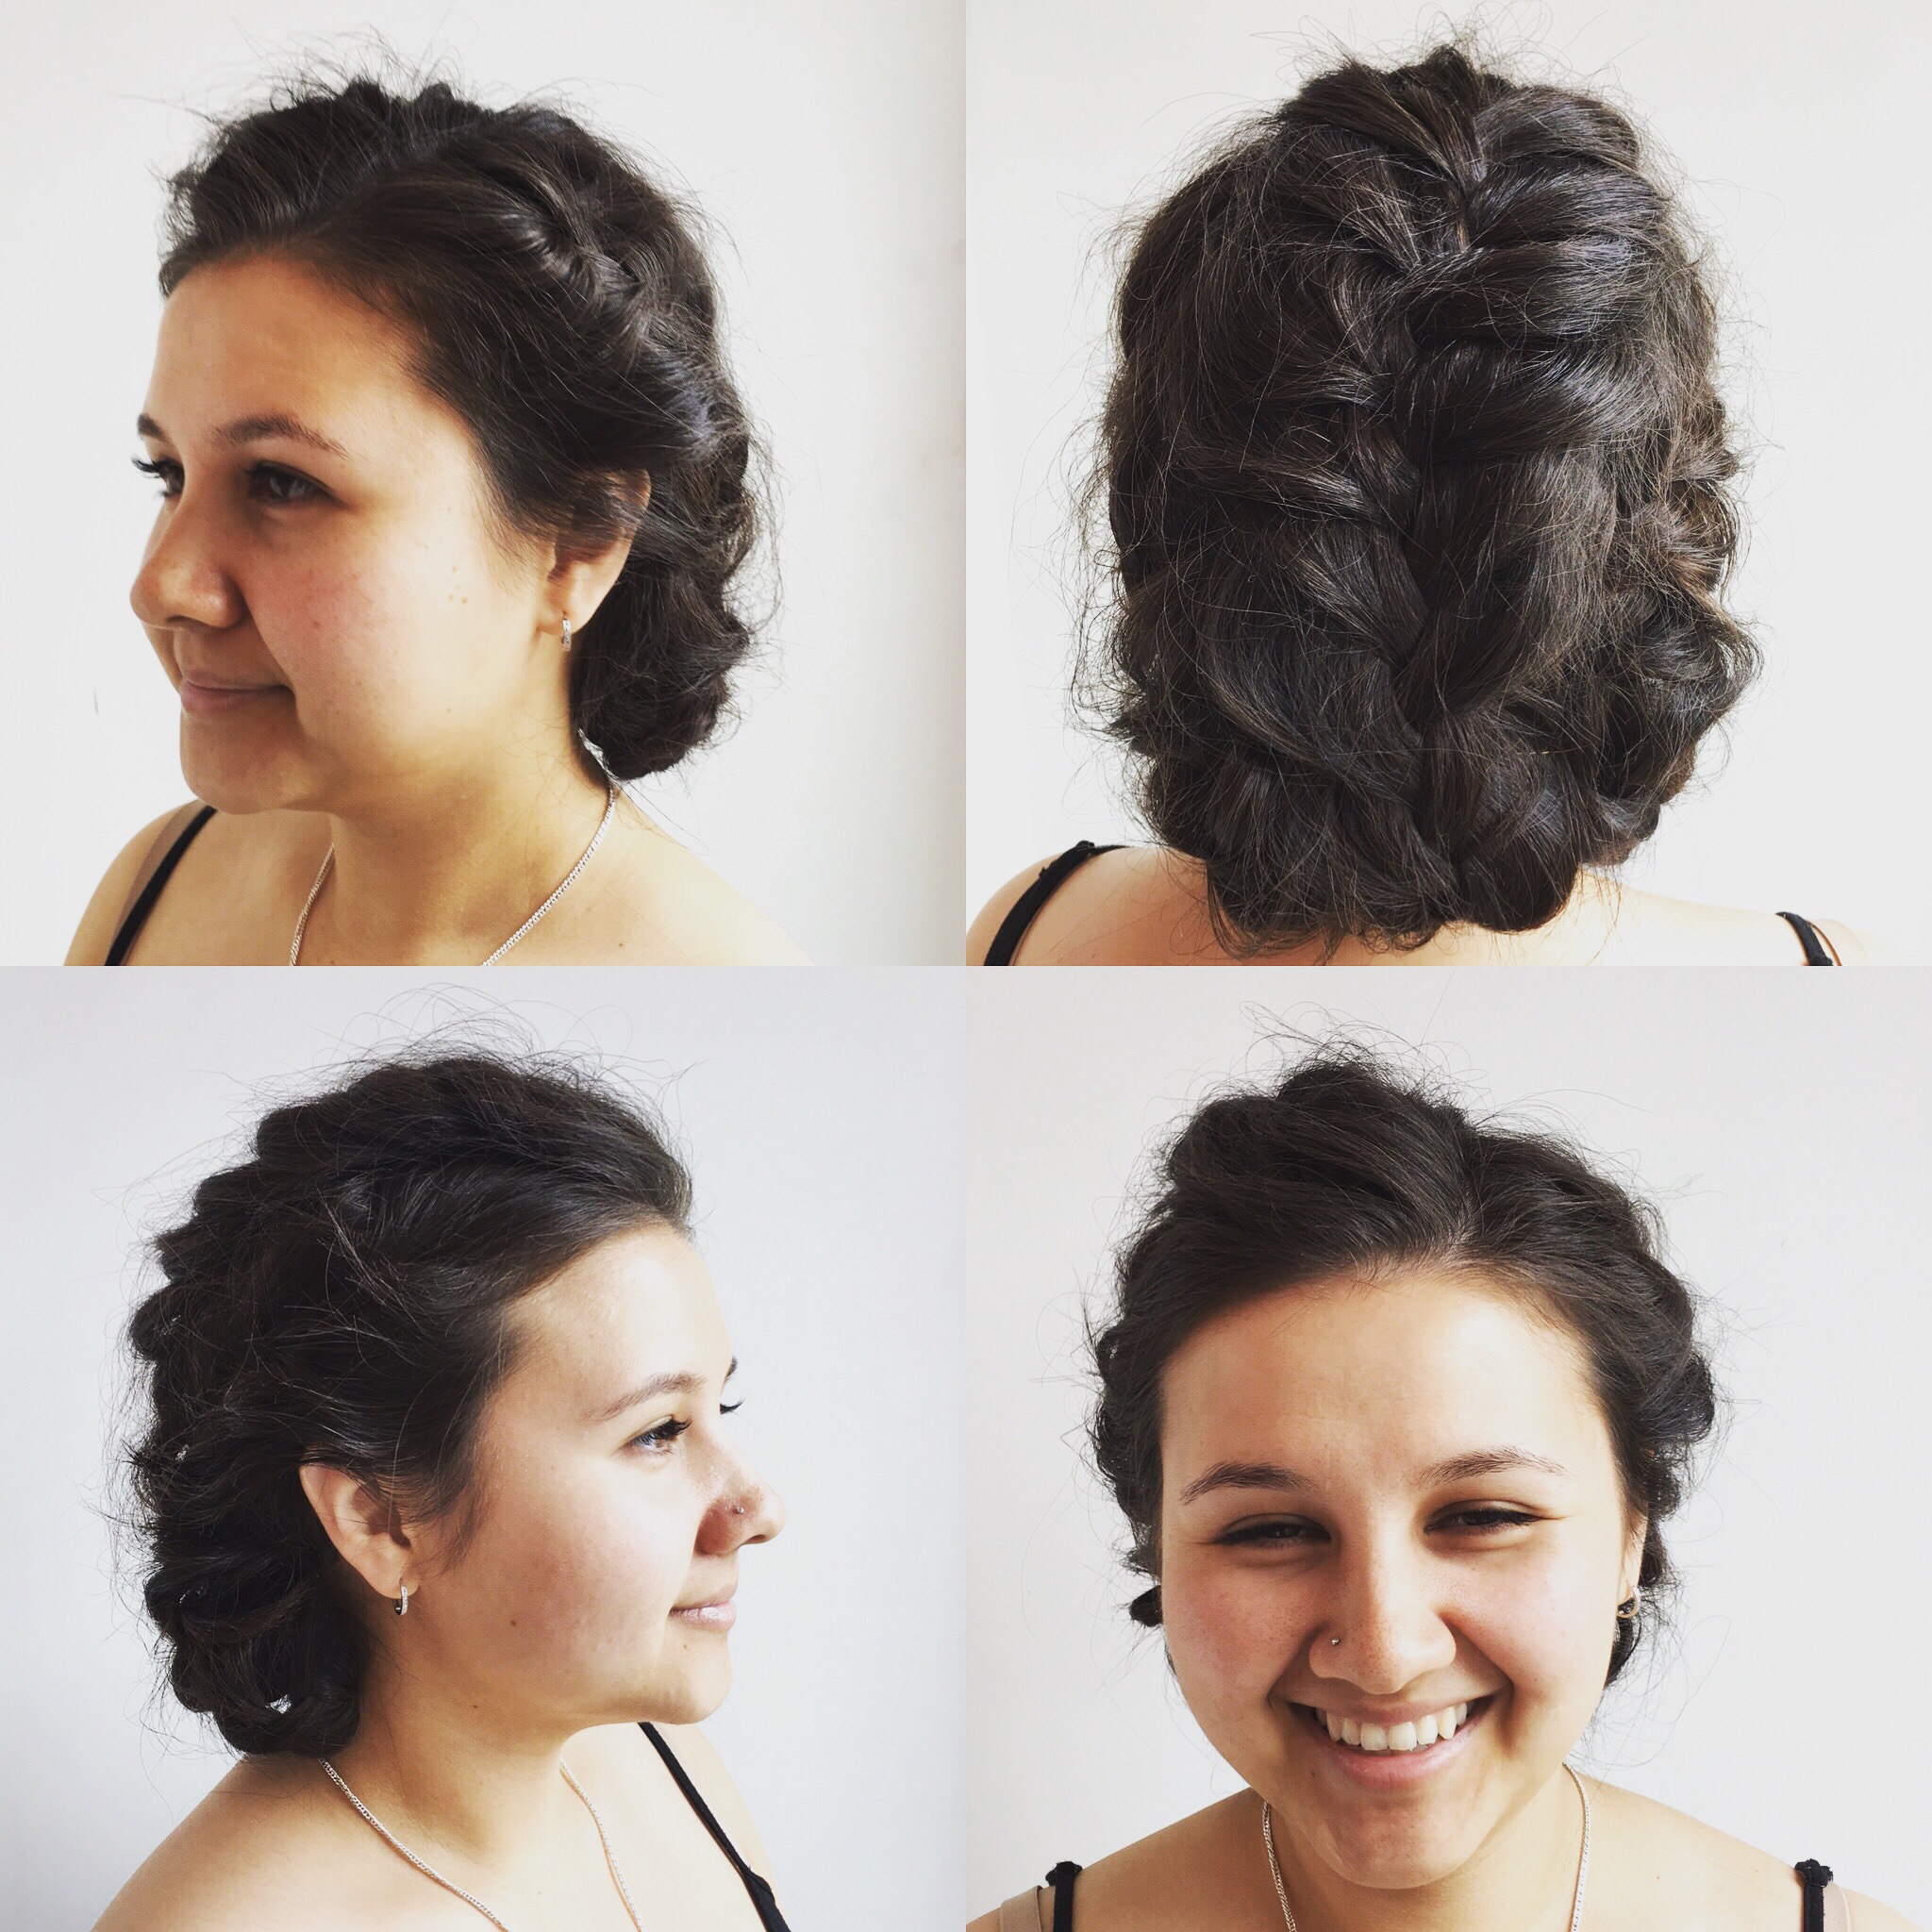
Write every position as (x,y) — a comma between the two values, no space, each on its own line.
(581,573)
(364,1528)
(1632,1565)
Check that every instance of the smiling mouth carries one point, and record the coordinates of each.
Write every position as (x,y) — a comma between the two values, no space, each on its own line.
(1421,1734)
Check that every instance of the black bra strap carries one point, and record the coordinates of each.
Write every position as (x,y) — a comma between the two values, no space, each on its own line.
(1062,1878)
(755,1882)
(1025,908)
(1818,949)
(1815,1878)
(137,914)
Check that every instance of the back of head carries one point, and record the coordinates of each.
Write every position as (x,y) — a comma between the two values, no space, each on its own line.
(565,311)
(1417,478)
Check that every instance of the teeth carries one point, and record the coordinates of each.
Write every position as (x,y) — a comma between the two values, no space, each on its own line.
(1436,1727)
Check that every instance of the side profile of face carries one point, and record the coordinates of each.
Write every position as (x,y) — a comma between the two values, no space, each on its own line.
(327,585)
(590,1580)
(1390,1510)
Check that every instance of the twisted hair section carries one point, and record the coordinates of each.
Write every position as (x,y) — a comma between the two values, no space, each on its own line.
(1418,484)
(1345,1169)
(562,305)
(342,1295)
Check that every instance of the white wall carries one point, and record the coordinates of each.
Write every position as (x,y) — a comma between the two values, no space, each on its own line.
(824,143)
(1803,149)
(824,1183)
(1784,1126)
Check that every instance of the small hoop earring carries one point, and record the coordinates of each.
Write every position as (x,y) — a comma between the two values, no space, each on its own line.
(1632,1606)
(566,633)
(402,1603)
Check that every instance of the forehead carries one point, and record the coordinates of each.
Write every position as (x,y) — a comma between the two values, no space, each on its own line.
(1369,1380)
(637,1305)
(266,336)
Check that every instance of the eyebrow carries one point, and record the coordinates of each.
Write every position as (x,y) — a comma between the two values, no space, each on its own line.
(1278,1476)
(673,1382)
(253,429)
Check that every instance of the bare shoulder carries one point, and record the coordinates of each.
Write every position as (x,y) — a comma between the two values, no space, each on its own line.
(623,1753)
(992,915)
(95,932)
(1187,1873)
(1124,906)
(256,1851)
(1671,1868)
(1651,925)
(662,904)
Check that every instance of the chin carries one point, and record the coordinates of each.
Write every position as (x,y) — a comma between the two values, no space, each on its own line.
(232,775)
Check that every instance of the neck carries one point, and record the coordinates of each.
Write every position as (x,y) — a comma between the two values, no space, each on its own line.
(1522,1879)
(453,1775)
(445,872)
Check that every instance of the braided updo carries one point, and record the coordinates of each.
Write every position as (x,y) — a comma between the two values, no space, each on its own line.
(1417,479)
(1344,1169)
(564,308)
(342,1295)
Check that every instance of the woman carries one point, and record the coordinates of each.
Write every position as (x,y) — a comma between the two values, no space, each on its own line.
(1396,1405)
(453,490)
(441,1521)
(1418,484)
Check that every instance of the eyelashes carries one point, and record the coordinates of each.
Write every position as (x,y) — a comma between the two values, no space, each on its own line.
(661,1436)
(1290,1532)
(270,483)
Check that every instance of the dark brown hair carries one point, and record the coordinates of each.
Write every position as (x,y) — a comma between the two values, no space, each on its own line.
(1344,1169)
(564,310)
(1417,480)
(342,1295)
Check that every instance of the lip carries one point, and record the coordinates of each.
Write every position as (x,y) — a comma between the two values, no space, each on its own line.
(718,1613)
(204,699)
(1389,1770)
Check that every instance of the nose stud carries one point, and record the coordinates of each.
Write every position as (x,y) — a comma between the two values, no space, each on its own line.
(1333,1640)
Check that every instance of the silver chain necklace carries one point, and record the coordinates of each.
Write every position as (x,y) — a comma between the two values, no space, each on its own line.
(1582,1858)
(328,859)
(429,1871)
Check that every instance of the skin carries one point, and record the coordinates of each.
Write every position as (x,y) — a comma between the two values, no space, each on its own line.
(1142,905)
(1466,1537)
(573,1594)
(366,657)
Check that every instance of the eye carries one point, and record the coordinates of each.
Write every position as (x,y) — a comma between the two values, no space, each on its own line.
(1288,1532)
(731,1408)
(657,1439)
(272,483)
(165,471)
(1485,1516)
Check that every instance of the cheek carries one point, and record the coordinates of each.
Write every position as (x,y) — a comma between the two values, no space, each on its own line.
(381,633)
(1542,1623)
(583,1574)
(1231,1633)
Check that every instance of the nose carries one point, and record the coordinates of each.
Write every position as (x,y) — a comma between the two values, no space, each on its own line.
(1389,1622)
(747,1510)
(183,577)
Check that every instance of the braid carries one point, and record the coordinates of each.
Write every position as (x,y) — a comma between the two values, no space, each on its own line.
(1416,478)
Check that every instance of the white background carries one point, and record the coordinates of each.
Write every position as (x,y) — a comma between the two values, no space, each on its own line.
(824,1172)
(822,142)
(1783,1125)
(1803,144)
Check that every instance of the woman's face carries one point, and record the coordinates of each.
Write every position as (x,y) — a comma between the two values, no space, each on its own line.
(1382,1503)
(594,1583)
(326,586)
